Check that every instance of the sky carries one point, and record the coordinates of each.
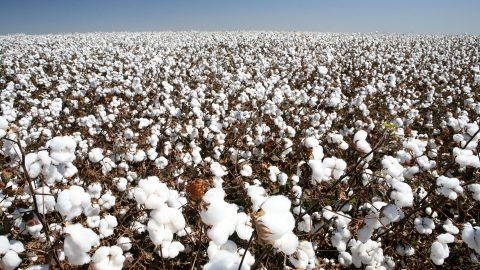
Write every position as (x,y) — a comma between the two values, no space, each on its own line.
(392,16)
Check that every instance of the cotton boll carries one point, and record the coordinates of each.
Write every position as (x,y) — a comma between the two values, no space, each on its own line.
(124,243)
(72,201)
(108,258)
(405,250)
(475,189)
(369,253)
(161,162)
(345,258)
(401,193)
(257,196)
(11,260)
(311,142)
(95,155)
(46,201)
(4,244)
(62,149)
(449,227)
(471,236)
(95,190)
(107,226)
(78,242)
(424,225)
(449,187)
(107,200)
(220,215)
(151,192)
(3,127)
(244,226)
(246,171)
(439,250)
(33,165)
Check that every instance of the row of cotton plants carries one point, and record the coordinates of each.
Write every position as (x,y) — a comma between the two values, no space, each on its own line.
(239,150)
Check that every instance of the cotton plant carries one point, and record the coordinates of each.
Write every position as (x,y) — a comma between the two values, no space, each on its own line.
(9,252)
(304,257)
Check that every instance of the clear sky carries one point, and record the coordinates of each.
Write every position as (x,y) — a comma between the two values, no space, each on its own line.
(402,16)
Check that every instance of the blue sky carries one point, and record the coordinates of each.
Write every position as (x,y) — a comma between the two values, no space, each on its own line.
(401,16)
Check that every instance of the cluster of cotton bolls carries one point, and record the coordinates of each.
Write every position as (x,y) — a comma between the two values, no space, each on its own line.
(256,148)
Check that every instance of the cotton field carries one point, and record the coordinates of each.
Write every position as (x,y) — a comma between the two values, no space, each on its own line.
(239,150)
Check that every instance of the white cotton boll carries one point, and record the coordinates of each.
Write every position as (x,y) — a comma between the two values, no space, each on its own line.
(220,215)
(393,167)
(439,252)
(107,226)
(139,156)
(475,189)
(95,155)
(282,179)
(33,165)
(161,162)
(322,70)
(164,222)
(151,192)
(369,253)
(3,127)
(471,236)
(317,152)
(95,190)
(445,238)
(273,171)
(107,200)
(217,170)
(124,243)
(311,142)
(246,171)
(46,201)
(345,258)
(108,258)
(171,249)
(4,244)
(287,243)
(11,260)
(401,193)
(244,226)
(257,195)
(62,149)
(121,184)
(72,201)
(152,154)
(449,187)
(360,135)
(449,227)
(404,250)
(78,242)
(390,214)
(424,225)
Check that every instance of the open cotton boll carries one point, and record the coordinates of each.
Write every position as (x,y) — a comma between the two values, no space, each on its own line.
(124,243)
(439,250)
(345,258)
(108,258)
(72,201)
(369,253)
(401,193)
(45,201)
(466,158)
(273,171)
(107,200)
(3,127)
(311,142)
(95,155)
(475,189)
(257,196)
(449,187)
(33,165)
(4,244)
(450,228)
(164,222)
(471,236)
(95,190)
(9,253)
(392,166)
(78,242)
(404,250)
(244,226)
(424,225)
(107,225)
(280,234)
(226,257)
(10,260)
(304,257)
(62,149)
(246,170)
(322,70)
(151,192)
(220,215)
